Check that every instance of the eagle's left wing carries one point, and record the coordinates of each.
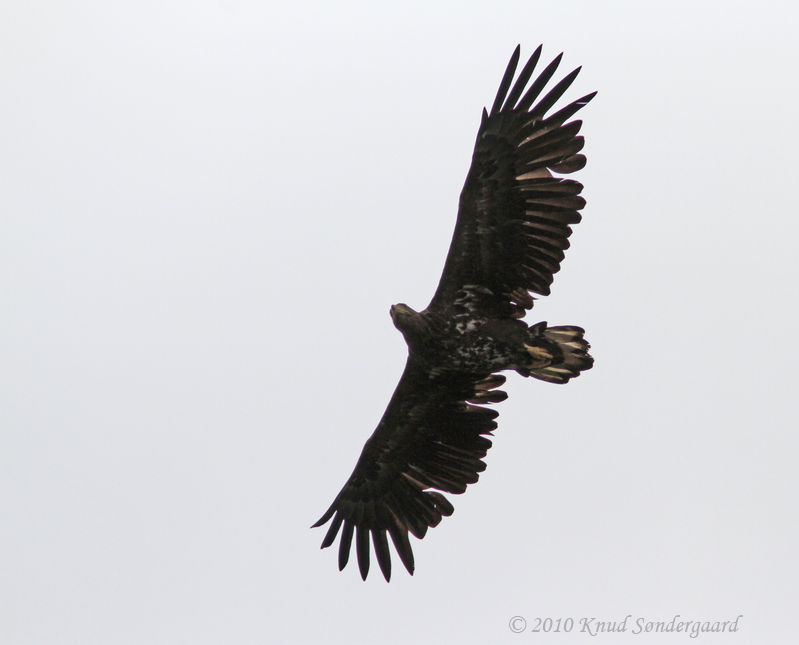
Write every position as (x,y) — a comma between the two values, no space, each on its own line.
(515,216)
(432,436)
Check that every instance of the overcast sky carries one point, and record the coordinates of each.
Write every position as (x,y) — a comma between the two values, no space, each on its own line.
(206,210)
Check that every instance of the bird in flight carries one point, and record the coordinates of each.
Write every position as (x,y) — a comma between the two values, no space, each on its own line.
(514,221)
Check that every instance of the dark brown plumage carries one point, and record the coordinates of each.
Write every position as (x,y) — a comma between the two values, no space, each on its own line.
(514,221)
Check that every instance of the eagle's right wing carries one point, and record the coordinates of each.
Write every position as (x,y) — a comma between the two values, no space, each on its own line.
(514,217)
(432,436)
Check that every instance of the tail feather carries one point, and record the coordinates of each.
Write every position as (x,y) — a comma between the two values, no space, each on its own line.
(557,354)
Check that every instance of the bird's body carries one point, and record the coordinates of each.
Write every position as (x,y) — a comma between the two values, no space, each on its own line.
(513,223)
(470,344)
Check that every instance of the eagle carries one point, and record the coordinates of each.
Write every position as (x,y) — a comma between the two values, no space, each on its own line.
(513,226)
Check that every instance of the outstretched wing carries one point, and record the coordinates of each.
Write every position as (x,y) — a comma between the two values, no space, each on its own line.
(514,217)
(432,436)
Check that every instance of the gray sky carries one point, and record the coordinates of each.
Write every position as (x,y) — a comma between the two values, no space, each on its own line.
(207,209)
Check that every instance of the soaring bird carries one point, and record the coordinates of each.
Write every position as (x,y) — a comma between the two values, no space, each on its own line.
(514,221)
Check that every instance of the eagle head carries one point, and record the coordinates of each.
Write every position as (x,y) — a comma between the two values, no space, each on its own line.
(411,323)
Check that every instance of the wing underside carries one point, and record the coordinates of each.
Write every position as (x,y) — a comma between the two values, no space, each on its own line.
(515,215)
(431,439)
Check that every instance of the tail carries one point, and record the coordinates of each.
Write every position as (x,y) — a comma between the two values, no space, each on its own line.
(557,354)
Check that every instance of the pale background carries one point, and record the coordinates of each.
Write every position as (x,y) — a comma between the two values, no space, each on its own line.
(207,209)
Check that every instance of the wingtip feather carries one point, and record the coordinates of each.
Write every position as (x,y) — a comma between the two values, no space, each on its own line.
(506,80)
(521,81)
(324,519)
(344,545)
(332,532)
(362,551)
